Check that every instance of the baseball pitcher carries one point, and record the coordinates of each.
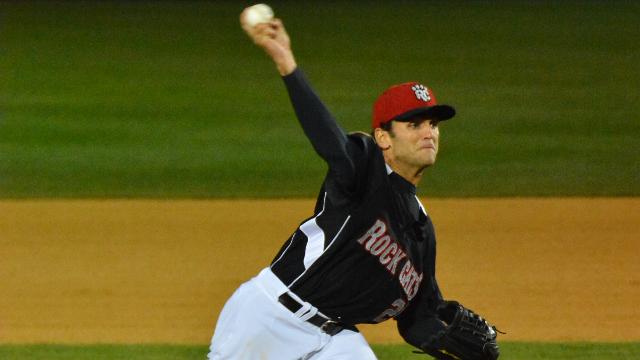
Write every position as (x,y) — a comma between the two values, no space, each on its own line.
(368,252)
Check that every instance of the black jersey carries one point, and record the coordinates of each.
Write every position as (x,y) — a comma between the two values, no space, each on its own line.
(368,252)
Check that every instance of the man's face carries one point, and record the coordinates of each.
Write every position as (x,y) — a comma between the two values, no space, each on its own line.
(414,143)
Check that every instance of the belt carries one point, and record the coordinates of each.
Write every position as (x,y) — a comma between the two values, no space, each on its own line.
(327,325)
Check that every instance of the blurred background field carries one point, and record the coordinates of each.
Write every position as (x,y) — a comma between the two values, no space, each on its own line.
(171,100)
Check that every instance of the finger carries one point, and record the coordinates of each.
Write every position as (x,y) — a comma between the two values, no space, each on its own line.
(263,35)
(256,33)
(262,27)
(276,22)
(277,25)
(263,30)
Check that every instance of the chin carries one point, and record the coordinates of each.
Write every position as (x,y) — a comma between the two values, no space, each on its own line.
(430,161)
(426,164)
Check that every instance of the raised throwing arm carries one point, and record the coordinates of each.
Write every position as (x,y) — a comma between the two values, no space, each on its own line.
(328,139)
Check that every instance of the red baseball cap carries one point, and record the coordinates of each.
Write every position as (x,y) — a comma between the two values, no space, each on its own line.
(404,101)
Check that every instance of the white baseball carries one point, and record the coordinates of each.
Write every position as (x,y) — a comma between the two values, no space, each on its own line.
(259,13)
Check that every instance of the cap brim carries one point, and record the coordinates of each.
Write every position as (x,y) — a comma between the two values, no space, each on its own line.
(438,112)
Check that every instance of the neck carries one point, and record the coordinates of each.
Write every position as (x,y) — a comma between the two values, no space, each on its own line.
(409,173)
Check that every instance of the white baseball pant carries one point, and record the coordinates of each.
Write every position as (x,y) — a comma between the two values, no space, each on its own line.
(254,325)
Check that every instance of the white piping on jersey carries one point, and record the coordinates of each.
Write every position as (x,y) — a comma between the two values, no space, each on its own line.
(285,250)
(315,237)
(325,250)
(389,169)
(421,206)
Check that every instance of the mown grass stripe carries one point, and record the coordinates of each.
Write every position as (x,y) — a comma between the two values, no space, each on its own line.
(171,100)
(510,351)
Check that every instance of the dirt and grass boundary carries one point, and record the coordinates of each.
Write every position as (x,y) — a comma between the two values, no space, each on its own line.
(148,271)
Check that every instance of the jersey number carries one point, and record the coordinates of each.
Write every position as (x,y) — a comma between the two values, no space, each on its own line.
(396,308)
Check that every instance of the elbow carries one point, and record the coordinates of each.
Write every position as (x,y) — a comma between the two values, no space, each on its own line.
(410,337)
(420,333)
(409,331)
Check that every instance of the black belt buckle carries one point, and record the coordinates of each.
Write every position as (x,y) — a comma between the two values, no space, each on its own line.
(331,327)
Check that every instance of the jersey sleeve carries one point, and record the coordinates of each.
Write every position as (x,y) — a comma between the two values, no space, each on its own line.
(419,321)
(328,139)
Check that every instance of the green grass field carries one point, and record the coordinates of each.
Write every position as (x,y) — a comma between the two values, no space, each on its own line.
(170,99)
(510,351)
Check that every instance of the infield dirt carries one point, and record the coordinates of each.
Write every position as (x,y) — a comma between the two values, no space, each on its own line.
(140,271)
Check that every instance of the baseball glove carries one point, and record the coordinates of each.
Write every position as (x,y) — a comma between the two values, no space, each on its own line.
(466,335)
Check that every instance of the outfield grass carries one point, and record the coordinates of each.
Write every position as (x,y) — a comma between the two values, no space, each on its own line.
(170,99)
(510,351)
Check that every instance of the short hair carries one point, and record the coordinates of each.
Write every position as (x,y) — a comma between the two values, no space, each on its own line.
(386,126)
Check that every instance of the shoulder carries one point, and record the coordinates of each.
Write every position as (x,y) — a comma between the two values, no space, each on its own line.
(363,141)
(360,135)
(368,164)
(368,160)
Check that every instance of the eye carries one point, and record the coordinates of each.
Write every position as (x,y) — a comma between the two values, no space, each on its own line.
(434,124)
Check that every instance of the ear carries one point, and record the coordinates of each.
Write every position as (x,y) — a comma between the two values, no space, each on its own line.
(383,138)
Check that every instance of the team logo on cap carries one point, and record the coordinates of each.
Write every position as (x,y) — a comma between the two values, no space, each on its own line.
(422,93)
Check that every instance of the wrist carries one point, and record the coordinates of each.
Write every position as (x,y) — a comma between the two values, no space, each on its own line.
(286,67)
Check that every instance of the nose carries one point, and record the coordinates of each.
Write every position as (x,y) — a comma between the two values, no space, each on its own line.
(428,131)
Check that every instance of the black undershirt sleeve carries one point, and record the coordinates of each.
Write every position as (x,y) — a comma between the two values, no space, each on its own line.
(328,139)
